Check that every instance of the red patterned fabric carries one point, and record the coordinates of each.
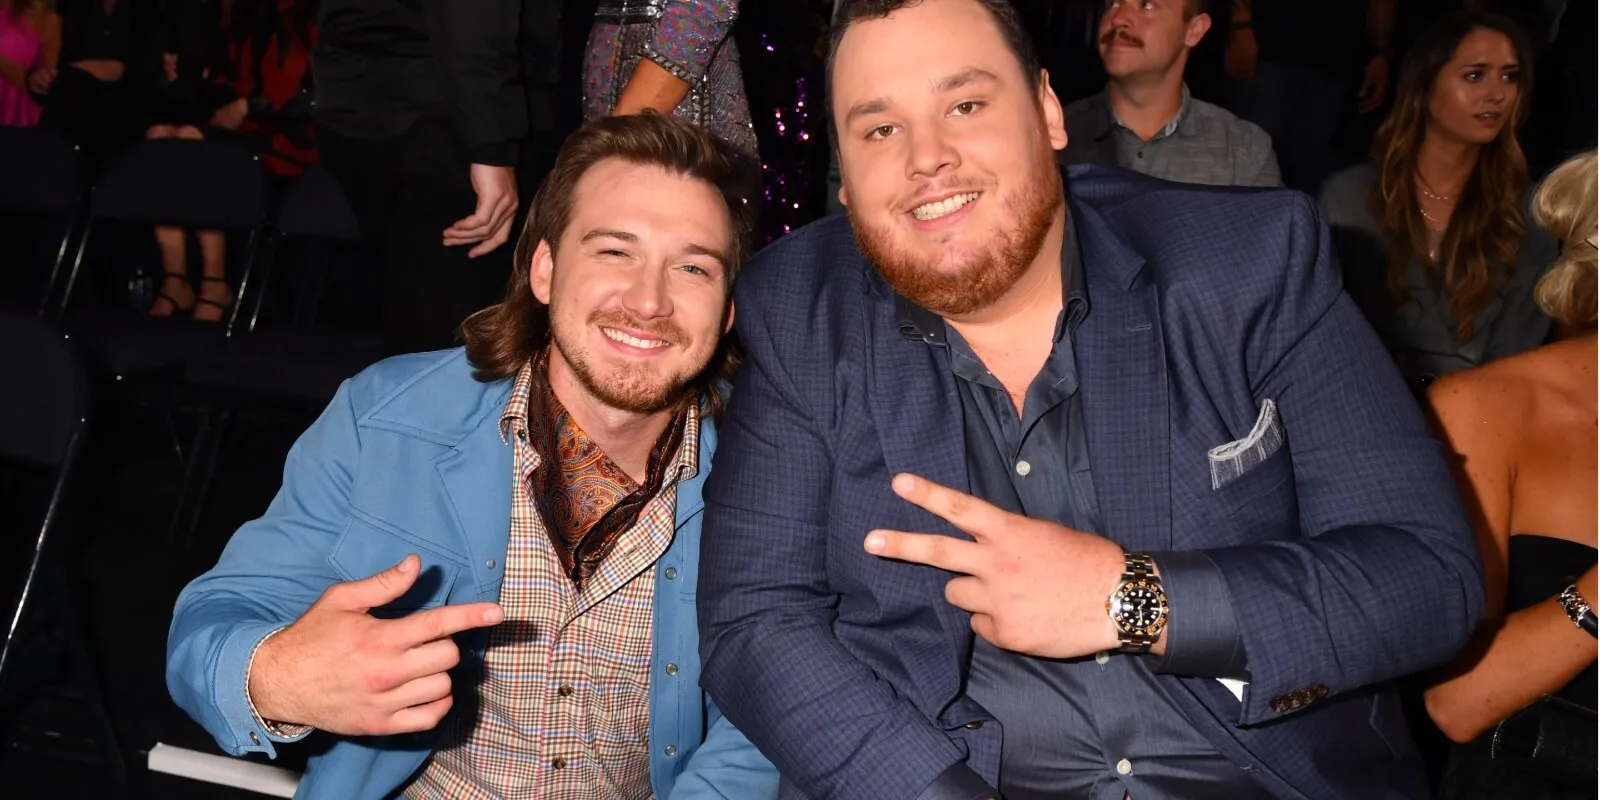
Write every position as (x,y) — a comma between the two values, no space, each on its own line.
(586,500)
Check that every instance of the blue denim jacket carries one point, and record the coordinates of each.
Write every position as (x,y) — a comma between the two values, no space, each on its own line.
(408,459)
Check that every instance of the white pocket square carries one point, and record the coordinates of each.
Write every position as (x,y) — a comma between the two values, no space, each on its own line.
(1233,460)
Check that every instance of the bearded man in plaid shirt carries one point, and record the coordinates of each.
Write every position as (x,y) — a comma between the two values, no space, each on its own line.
(478,579)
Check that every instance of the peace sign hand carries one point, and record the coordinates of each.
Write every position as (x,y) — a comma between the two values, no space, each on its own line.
(1032,586)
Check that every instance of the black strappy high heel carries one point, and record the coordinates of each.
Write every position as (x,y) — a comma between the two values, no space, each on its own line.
(222,308)
(178,309)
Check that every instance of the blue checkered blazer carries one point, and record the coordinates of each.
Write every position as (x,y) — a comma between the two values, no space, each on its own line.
(1346,555)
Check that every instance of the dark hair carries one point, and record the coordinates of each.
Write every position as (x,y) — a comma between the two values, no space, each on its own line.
(503,337)
(1487,226)
(1003,13)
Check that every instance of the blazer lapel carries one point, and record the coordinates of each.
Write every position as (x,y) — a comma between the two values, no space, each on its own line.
(477,482)
(918,417)
(1122,362)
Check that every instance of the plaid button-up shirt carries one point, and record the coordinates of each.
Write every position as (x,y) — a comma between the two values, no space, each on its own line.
(562,712)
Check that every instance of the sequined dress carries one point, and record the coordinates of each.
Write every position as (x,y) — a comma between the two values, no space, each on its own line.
(688,38)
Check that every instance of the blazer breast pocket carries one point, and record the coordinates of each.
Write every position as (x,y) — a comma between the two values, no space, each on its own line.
(364,550)
(1249,475)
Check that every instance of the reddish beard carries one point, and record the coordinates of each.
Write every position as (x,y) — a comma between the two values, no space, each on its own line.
(638,388)
(988,276)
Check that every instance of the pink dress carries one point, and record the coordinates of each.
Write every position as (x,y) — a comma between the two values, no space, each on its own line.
(19,44)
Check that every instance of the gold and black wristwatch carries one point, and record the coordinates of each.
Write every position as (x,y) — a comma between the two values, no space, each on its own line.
(1138,606)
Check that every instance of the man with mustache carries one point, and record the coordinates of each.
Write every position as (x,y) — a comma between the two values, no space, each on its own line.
(1067,483)
(1145,120)
(478,579)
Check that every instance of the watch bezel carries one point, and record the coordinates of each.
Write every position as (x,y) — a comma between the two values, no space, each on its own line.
(1115,602)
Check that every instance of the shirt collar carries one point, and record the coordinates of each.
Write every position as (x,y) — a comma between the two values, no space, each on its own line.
(1112,121)
(917,322)
(514,421)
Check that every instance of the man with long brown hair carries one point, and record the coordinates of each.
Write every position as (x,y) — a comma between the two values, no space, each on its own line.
(511,527)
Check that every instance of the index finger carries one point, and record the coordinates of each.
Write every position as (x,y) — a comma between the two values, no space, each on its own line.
(471,228)
(943,552)
(973,516)
(438,623)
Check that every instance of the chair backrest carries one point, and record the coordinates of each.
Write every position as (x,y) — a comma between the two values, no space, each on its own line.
(197,184)
(315,207)
(46,397)
(40,172)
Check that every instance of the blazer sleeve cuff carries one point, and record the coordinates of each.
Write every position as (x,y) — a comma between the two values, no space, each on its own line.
(958,782)
(496,154)
(1203,637)
(247,731)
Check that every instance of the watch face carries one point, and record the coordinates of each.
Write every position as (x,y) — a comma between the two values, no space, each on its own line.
(1140,607)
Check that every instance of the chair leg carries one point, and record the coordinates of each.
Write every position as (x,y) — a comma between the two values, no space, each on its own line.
(72,276)
(55,266)
(251,254)
(30,579)
(198,475)
(267,257)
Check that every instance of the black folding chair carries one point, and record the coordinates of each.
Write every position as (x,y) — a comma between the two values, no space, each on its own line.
(314,209)
(41,176)
(276,367)
(295,365)
(43,419)
(187,183)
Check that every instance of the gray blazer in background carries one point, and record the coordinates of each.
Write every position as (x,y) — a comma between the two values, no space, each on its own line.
(1421,334)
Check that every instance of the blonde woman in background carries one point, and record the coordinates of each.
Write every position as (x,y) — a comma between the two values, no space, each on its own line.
(1523,430)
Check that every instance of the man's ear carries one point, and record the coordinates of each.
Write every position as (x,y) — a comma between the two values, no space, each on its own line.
(1054,119)
(727,323)
(541,270)
(1197,29)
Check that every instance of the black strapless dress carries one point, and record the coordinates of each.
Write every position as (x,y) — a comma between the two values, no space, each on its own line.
(1540,567)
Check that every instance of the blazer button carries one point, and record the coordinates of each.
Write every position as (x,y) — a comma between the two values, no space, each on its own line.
(672,669)
(670,751)
(671,573)
(254,739)
(974,726)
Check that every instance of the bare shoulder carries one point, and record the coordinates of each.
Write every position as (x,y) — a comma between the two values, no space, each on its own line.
(1507,398)
(1479,410)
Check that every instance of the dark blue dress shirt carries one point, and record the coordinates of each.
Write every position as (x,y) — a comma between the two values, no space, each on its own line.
(1101,727)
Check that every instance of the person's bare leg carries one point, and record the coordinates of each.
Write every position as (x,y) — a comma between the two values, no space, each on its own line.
(215,297)
(175,294)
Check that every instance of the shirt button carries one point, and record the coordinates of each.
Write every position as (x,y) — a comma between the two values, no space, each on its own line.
(670,751)
(488,564)
(672,669)
(671,573)
(565,691)
(1023,468)
(974,726)
(254,739)
(1124,767)
(1102,657)
(558,763)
